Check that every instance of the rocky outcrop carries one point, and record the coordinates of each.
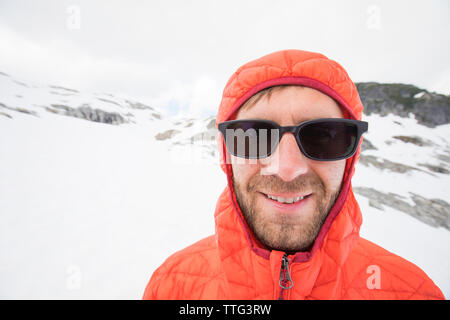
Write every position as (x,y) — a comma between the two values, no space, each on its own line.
(434,212)
(429,108)
(168,134)
(87,113)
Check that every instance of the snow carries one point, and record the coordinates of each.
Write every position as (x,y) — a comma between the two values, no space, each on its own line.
(96,203)
(89,210)
(425,183)
(35,97)
(419,95)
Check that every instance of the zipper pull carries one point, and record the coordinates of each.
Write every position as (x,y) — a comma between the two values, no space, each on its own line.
(285,277)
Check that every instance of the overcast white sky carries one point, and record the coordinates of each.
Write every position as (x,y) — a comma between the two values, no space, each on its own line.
(178,55)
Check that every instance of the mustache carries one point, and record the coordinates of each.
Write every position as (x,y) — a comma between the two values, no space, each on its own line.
(274,184)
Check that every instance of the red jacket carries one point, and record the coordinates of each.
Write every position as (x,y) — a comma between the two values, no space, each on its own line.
(232,264)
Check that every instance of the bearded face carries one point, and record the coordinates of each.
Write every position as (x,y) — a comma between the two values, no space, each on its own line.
(285,198)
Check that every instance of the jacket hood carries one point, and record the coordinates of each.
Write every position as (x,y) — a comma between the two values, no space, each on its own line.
(309,69)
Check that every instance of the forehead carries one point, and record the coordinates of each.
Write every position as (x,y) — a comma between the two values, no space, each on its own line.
(292,105)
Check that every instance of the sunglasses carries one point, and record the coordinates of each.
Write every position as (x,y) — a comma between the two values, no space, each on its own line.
(328,139)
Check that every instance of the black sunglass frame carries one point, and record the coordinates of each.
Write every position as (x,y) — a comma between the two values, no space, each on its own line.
(362,126)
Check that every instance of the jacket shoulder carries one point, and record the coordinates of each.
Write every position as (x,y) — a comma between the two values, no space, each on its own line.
(187,273)
(375,273)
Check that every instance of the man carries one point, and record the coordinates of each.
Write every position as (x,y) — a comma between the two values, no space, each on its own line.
(287,224)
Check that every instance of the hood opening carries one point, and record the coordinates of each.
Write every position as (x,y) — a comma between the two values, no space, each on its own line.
(254,243)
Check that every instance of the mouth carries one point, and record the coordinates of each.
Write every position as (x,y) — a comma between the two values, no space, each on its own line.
(287,198)
(287,203)
(291,204)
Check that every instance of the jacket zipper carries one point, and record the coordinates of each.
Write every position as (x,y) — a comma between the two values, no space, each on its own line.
(285,282)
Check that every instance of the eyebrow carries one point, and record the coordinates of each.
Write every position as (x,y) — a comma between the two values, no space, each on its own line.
(309,119)
(304,120)
(296,122)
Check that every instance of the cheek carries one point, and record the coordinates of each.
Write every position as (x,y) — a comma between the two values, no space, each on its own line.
(331,173)
(242,172)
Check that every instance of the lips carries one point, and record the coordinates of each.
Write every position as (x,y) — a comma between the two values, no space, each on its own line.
(287,199)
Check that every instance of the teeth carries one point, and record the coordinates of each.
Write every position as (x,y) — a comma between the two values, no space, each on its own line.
(285,200)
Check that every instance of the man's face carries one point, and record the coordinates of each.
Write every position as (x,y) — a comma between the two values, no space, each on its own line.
(287,173)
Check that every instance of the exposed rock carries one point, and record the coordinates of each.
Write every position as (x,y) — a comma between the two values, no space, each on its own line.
(19,109)
(138,105)
(65,89)
(87,113)
(434,168)
(5,115)
(21,83)
(418,141)
(211,124)
(434,212)
(384,164)
(444,157)
(166,134)
(109,101)
(64,94)
(367,145)
(430,109)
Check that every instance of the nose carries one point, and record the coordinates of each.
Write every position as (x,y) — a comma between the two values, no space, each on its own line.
(287,162)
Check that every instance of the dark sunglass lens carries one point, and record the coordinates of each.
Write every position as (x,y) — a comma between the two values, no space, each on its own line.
(328,140)
(251,139)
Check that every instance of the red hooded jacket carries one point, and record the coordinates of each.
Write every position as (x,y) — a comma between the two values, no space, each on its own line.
(232,264)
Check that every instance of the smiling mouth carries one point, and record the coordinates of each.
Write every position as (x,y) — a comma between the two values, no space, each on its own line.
(286,199)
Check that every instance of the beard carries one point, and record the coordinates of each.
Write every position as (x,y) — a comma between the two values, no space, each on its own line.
(281,231)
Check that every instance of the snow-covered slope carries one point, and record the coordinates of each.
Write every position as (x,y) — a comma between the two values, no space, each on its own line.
(89,209)
(43,101)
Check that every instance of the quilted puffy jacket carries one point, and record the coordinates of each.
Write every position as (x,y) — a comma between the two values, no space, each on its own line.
(232,264)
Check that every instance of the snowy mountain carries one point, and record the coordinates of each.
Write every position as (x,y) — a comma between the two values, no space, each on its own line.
(96,190)
(40,101)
